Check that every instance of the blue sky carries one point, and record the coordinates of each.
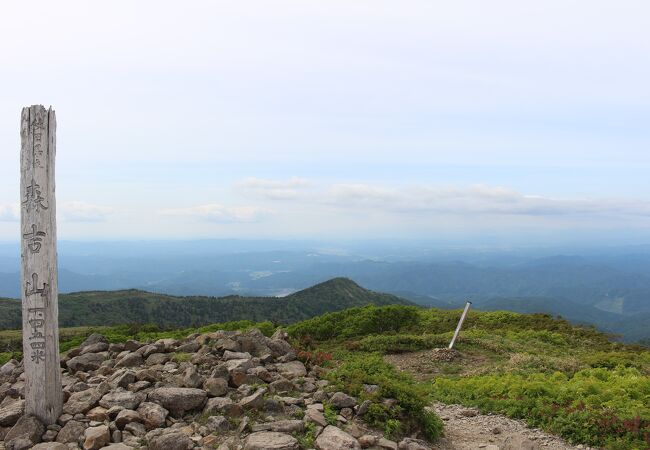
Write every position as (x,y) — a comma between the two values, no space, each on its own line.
(335,118)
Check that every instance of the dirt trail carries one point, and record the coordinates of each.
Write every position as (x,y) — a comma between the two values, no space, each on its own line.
(467,429)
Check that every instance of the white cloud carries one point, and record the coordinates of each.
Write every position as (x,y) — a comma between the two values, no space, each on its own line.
(476,200)
(219,213)
(76,211)
(9,213)
(273,189)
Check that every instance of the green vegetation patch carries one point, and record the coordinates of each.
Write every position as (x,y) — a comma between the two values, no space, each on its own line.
(396,419)
(569,380)
(599,407)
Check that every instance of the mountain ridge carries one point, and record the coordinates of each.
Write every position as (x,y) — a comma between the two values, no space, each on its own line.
(137,306)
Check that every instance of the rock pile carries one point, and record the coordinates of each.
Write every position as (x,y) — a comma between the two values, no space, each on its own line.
(444,354)
(222,390)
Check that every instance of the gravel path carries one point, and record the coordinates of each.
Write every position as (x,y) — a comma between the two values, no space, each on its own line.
(467,429)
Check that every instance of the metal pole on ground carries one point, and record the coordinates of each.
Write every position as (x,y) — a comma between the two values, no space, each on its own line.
(460,324)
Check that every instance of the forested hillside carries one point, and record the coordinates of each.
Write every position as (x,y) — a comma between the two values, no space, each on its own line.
(134,306)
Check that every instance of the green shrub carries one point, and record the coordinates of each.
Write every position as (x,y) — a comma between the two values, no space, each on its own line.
(307,438)
(357,322)
(409,412)
(180,357)
(329,413)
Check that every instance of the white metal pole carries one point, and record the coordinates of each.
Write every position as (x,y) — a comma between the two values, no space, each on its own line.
(460,324)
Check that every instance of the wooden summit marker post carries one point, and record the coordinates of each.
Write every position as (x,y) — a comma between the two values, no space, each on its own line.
(43,394)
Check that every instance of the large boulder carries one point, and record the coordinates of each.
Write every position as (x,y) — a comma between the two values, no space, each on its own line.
(333,438)
(270,440)
(216,387)
(25,433)
(96,437)
(254,401)
(153,415)
(171,441)
(50,446)
(132,359)
(10,414)
(341,400)
(71,432)
(127,416)
(94,343)
(125,399)
(83,401)
(8,367)
(86,362)
(178,400)
(292,369)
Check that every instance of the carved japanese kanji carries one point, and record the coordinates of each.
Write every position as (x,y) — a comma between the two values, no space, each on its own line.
(43,393)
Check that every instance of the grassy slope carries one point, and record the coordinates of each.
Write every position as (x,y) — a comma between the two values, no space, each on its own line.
(569,380)
(133,306)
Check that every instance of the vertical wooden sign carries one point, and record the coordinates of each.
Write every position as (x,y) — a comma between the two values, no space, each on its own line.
(43,392)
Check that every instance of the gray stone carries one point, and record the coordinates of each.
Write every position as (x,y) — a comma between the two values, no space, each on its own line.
(222,405)
(333,438)
(136,429)
(270,440)
(367,440)
(387,444)
(124,379)
(363,407)
(279,347)
(413,444)
(281,386)
(98,414)
(87,362)
(131,360)
(8,367)
(341,400)
(191,377)
(228,355)
(315,416)
(50,446)
(171,441)
(254,401)
(190,347)
(217,424)
(153,415)
(132,345)
(95,348)
(216,387)
(157,358)
(80,402)
(125,417)
(292,369)
(149,375)
(125,399)
(178,400)
(282,426)
(27,429)
(10,414)
(96,437)
(71,432)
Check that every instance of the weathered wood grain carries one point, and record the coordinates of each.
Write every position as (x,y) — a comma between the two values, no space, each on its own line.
(43,392)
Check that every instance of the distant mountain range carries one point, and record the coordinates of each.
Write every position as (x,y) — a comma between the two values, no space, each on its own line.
(133,306)
(609,288)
